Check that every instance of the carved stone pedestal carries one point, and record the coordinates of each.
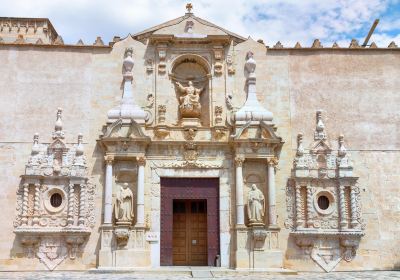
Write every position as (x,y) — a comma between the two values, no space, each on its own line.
(257,248)
(190,122)
(122,232)
(123,246)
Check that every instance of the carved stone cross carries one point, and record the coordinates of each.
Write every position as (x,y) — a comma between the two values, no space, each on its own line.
(189,7)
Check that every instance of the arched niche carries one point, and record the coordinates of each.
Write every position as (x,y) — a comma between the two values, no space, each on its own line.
(194,68)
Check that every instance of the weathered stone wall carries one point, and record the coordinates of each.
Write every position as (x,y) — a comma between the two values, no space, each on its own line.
(356,89)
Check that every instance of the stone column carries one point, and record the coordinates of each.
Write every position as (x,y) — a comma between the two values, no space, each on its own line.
(70,218)
(272,193)
(310,222)
(299,212)
(239,191)
(36,214)
(353,206)
(140,192)
(24,219)
(82,205)
(342,208)
(108,190)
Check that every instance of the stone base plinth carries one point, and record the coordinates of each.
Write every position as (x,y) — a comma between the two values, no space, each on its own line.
(190,122)
(123,246)
(132,258)
(251,254)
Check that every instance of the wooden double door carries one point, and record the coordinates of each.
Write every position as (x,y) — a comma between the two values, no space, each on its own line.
(189,234)
(189,221)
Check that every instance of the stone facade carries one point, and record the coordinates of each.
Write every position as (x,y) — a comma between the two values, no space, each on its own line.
(188,99)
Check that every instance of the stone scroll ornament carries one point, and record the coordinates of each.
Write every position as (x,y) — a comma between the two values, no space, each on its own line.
(55,201)
(189,100)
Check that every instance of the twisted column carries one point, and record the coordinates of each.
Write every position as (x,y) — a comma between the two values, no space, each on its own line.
(24,219)
(353,206)
(70,216)
(108,190)
(82,205)
(35,220)
(342,207)
(239,191)
(299,214)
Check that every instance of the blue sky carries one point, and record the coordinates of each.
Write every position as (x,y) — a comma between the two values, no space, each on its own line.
(271,20)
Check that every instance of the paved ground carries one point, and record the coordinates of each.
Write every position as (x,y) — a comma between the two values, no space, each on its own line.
(375,275)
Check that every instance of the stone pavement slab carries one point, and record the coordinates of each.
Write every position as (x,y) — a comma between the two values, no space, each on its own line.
(365,275)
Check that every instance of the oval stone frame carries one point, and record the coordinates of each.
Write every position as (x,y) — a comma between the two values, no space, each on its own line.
(47,204)
(331,199)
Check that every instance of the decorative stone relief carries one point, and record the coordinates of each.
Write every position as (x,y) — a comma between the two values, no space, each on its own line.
(218,115)
(149,66)
(190,133)
(323,201)
(55,202)
(162,55)
(122,236)
(259,234)
(190,153)
(228,101)
(229,63)
(161,130)
(150,100)
(218,56)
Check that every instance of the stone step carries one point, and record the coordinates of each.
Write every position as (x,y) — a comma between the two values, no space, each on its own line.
(202,274)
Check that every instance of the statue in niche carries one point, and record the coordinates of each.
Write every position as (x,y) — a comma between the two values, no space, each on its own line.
(189,101)
(255,206)
(123,206)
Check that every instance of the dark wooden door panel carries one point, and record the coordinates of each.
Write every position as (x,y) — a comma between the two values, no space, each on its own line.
(202,225)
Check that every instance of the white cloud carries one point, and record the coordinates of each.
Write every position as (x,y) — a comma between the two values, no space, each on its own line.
(288,21)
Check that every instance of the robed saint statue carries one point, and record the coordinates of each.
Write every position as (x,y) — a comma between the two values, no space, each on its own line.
(123,206)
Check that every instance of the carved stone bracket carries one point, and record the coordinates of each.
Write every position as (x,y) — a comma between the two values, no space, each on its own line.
(122,236)
(327,250)
(231,67)
(74,243)
(162,55)
(30,244)
(190,133)
(218,56)
(259,234)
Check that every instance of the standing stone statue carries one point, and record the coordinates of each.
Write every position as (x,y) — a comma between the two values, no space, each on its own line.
(255,205)
(190,106)
(124,205)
